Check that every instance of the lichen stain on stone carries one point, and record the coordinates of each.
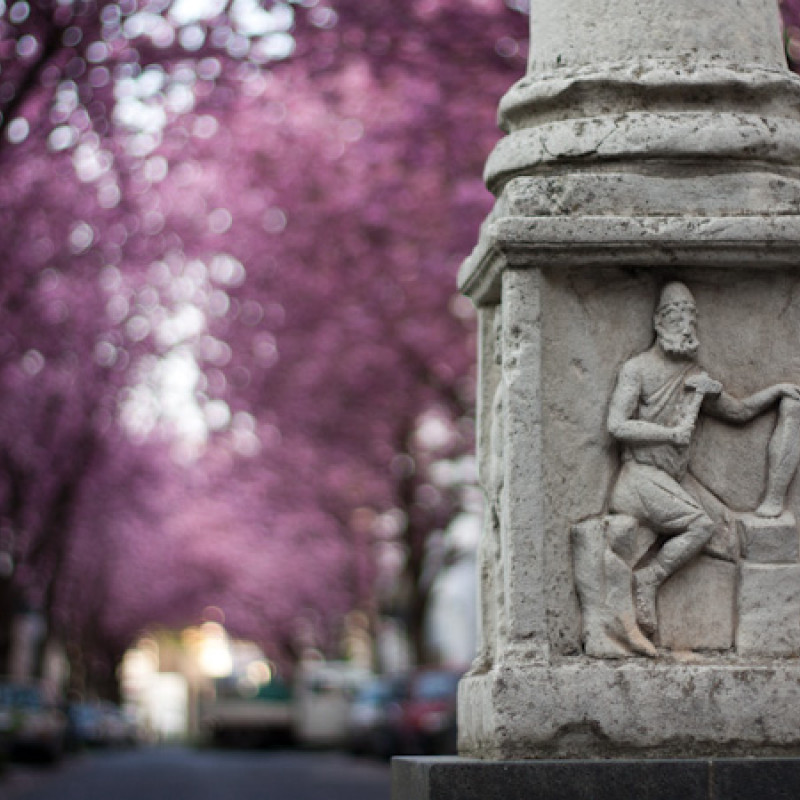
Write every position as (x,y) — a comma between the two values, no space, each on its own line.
(576,737)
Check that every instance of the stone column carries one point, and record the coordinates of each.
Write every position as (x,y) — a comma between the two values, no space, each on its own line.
(652,144)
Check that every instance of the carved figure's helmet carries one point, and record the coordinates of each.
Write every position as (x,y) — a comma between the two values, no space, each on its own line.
(675,293)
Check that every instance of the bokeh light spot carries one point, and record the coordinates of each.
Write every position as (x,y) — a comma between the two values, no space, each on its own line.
(205,126)
(81,237)
(97,52)
(274,220)
(192,37)
(507,47)
(27,46)
(220,220)
(18,130)
(33,362)
(72,36)
(323,17)
(19,12)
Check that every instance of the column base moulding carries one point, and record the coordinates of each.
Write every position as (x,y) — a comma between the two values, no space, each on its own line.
(636,708)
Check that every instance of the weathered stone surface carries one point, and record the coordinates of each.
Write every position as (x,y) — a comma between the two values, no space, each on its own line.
(769,610)
(522,501)
(570,33)
(644,82)
(587,323)
(697,607)
(770,541)
(491,567)
(583,708)
(669,158)
(592,321)
(616,194)
(665,134)
(755,243)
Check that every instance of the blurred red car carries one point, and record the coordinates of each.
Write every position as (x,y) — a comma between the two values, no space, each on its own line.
(428,713)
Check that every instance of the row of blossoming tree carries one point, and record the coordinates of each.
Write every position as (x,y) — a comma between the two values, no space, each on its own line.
(233,369)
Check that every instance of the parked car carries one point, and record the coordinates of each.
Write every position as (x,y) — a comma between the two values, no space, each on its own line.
(99,724)
(246,715)
(84,725)
(120,729)
(373,724)
(427,723)
(29,722)
(322,696)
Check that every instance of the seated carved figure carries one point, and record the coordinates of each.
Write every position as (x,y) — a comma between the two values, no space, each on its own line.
(653,414)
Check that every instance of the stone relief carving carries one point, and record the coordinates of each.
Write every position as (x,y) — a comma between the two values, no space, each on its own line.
(661,519)
(490,557)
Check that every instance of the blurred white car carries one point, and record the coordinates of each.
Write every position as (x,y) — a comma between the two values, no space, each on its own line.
(323,694)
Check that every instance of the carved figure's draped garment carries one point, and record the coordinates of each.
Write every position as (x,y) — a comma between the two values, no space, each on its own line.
(649,486)
(667,406)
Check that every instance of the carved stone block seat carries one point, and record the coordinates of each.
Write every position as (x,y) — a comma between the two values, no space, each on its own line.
(750,603)
(697,607)
(769,541)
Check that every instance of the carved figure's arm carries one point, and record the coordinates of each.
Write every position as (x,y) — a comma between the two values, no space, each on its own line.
(623,427)
(731,409)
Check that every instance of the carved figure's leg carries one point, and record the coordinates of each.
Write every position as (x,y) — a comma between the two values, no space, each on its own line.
(724,542)
(645,588)
(603,582)
(681,549)
(783,457)
(624,535)
(675,553)
(660,502)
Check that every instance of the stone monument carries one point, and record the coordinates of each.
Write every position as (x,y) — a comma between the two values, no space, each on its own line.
(638,288)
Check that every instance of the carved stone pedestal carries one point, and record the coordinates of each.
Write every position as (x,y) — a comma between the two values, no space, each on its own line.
(638,286)
(642,268)
(636,708)
(723,677)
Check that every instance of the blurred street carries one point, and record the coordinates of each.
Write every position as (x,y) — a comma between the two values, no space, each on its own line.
(174,773)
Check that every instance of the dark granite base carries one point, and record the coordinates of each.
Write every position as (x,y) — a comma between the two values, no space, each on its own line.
(679,779)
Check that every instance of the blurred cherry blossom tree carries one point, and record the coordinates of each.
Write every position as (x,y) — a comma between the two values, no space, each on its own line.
(234,370)
(790,10)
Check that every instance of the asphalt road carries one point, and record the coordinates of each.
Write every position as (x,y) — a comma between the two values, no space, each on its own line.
(184,774)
